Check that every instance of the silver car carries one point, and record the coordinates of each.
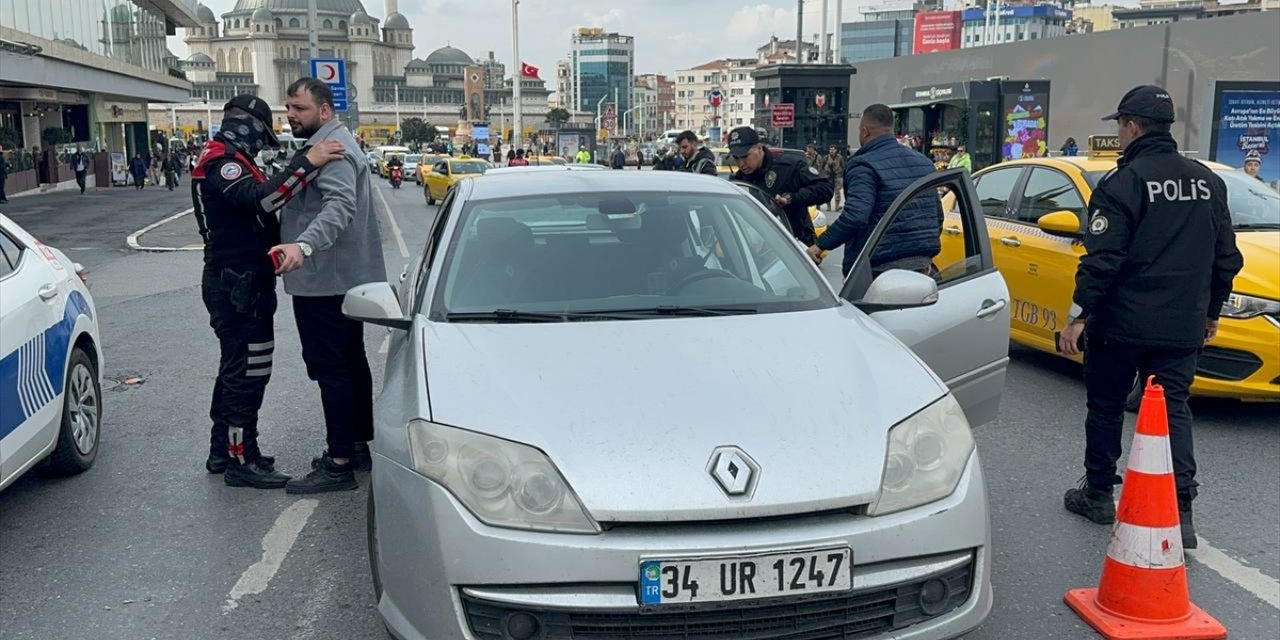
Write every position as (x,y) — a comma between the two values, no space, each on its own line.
(609,412)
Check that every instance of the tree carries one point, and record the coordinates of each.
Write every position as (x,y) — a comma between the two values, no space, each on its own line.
(417,130)
(558,116)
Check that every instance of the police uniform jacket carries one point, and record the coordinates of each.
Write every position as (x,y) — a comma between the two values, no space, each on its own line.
(780,174)
(235,205)
(1161,253)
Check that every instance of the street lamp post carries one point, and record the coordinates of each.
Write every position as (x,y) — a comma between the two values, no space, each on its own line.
(517,77)
(208,117)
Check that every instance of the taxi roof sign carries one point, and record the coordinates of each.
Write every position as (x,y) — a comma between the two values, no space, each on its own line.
(1104,145)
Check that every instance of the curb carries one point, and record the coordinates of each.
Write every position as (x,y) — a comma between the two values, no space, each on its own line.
(132,240)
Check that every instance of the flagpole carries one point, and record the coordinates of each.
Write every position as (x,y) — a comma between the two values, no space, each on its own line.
(518,77)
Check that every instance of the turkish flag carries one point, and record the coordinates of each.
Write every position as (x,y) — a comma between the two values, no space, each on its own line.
(527,70)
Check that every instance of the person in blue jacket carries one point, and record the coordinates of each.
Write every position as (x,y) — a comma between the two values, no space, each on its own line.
(874,176)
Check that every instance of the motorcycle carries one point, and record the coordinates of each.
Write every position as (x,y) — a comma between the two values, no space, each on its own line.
(397,176)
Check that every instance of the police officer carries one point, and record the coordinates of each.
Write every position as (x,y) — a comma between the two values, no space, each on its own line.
(1160,259)
(235,207)
(794,185)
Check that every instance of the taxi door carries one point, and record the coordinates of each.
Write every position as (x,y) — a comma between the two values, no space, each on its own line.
(964,335)
(1044,283)
(438,182)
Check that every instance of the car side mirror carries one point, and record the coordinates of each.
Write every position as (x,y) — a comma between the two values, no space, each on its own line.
(1060,223)
(899,289)
(375,303)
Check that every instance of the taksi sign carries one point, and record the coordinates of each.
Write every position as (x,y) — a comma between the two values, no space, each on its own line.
(784,115)
(332,72)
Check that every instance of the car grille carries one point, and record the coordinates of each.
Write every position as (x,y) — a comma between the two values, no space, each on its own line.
(840,617)
(1227,364)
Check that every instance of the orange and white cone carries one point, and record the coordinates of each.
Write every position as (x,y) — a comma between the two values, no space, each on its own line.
(1143,590)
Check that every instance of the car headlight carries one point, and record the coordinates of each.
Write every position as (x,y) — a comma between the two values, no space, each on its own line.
(926,457)
(1240,306)
(820,220)
(503,483)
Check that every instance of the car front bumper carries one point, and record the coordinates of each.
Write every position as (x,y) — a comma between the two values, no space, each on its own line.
(447,576)
(1242,362)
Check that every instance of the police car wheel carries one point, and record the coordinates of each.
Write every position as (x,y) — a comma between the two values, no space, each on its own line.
(78,435)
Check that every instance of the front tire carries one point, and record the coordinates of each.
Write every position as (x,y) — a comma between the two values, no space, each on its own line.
(78,434)
(431,200)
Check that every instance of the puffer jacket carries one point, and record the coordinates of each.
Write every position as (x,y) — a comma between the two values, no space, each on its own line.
(875,176)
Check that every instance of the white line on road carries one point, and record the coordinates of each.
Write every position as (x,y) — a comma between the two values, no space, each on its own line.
(132,240)
(1250,579)
(395,228)
(275,546)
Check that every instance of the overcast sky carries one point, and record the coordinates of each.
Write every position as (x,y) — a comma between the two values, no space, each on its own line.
(670,34)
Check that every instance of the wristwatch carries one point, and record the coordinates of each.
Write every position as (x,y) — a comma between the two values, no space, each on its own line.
(306,249)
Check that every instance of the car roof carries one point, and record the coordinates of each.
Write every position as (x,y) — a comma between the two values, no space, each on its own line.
(1089,163)
(534,168)
(555,182)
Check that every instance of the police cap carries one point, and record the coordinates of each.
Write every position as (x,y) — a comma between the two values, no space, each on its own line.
(1146,101)
(741,140)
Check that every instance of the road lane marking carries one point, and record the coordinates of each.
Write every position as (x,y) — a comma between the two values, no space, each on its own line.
(132,240)
(395,227)
(275,546)
(1248,578)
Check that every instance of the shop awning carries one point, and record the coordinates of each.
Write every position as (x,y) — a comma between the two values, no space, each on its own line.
(926,103)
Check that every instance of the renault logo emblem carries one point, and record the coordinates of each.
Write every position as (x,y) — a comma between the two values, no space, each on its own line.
(734,471)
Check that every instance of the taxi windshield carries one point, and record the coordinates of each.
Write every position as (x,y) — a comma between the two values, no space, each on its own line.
(412,158)
(468,166)
(622,256)
(1252,203)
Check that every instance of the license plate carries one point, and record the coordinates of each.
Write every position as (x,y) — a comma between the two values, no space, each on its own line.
(770,575)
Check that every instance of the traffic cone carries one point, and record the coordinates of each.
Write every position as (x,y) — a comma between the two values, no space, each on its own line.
(1143,590)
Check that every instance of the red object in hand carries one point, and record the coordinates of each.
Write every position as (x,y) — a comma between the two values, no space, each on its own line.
(277,259)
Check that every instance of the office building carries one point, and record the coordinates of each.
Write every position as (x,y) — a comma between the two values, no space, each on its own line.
(1011,22)
(602,70)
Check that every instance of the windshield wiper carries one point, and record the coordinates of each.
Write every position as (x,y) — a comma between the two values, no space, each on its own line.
(1257,225)
(676,310)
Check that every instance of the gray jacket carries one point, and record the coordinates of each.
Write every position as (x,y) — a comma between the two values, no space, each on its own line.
(336,217)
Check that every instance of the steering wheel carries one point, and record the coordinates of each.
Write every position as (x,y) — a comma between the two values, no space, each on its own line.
(698,276)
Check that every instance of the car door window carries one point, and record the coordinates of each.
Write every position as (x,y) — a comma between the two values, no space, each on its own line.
(995,188)
(419,285)
(10,255)
(1048,191)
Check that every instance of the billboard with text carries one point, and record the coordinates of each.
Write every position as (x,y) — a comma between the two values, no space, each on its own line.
(937,31)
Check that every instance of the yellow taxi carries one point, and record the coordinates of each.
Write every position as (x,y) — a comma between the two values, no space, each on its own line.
(425,163)
(724,163)
(447,172)
(1035,209)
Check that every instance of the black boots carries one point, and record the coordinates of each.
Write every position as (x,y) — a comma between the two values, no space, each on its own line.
(256,474)
(363,459)
(1094,504)
(217,463)
(327,476)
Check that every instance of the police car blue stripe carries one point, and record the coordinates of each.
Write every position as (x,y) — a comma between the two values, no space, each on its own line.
(32,375)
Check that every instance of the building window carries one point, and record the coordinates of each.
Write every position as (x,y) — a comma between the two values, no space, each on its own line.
(293,23)
(258,28)
(342,24)
(279,24)
(328,24)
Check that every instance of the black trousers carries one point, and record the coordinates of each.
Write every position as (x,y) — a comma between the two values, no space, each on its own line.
(333,349)
(80,178)
(1109,370)
(242,305)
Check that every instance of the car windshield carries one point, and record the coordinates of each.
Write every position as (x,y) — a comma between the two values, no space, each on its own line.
(623,255)
(412,159)
(465,166)
(1253,204)
(1094,178)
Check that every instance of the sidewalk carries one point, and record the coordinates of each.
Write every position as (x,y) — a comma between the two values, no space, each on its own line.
(99,215)
(174,233)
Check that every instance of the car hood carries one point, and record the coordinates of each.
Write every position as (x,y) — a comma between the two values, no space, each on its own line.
(1261,273)
(631,411)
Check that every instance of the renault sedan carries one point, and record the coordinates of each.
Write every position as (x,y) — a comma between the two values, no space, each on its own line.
(599,421)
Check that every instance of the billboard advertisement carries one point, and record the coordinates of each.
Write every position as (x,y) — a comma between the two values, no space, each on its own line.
(937,31)
(1245,120)
(1024,109)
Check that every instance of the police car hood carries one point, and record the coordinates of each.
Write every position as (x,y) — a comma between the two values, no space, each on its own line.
(1261,273)
(632,411)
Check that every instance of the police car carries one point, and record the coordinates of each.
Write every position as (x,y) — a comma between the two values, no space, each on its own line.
(50,360)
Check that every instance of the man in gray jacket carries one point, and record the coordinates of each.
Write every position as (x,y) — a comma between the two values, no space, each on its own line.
(336,246)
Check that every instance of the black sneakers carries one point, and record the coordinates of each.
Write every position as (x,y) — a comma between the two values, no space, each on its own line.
(326,477)
(363,458)
(216,463)
(1097,506)
(256,474)
(1188,524)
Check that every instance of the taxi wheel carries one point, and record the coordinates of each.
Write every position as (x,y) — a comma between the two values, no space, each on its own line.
(77,445)
(431,200)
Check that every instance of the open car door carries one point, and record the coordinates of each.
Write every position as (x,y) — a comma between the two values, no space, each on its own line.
(959,325)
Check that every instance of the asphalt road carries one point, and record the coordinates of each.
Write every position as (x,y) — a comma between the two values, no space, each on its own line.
(147,545)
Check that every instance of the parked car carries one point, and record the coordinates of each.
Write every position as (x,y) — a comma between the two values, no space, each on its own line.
(599,421)
(50,360)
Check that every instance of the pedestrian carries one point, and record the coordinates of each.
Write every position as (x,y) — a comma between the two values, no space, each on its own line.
(169,165)
(511,155)
(618,161)
(811,154)
(496,153)
(235,210)
(519,159)
(4,173)
(80,165)
(833,169)
(961,160)
(155,165)
(1070,148)
(790,181)
(697,158)
(584,156)
(1253,164)
(1160,257)
(875,176)
(330,244)
(138,168)
(546,149)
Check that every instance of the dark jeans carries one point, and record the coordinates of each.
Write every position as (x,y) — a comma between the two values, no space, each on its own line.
(80,177)
(241,307)
(1109,371)
(333,349)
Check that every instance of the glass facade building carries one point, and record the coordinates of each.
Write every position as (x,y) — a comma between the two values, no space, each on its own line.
(876,39)
(115,29)
(602,66)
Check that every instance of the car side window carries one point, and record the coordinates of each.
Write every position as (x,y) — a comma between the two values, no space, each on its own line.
(1048,191)
(995,189)
(429,252)
(11,255)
